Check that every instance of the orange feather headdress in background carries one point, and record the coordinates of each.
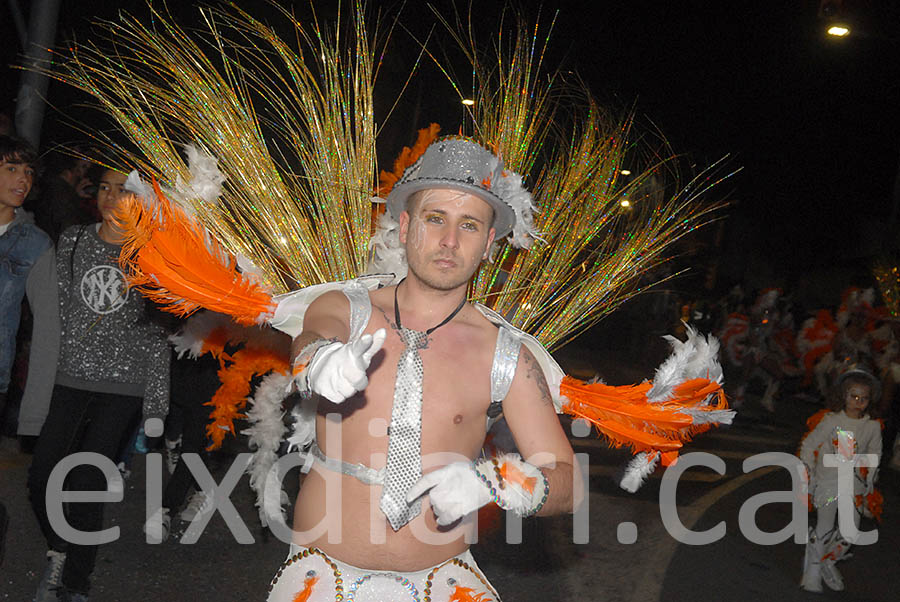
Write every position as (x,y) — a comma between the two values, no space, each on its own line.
(407,157)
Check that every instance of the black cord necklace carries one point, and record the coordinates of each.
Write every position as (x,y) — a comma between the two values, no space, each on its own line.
(433,328)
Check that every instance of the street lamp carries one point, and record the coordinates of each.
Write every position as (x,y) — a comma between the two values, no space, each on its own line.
(838,31)
(468,102)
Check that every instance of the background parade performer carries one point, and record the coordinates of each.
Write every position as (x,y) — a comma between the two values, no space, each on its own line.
(845,431)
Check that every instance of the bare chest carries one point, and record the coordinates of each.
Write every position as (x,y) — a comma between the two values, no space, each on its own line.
(455,378)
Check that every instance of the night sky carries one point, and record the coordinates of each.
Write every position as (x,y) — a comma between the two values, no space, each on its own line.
(813,121)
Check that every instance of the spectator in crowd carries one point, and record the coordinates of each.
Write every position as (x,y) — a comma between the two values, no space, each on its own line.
(63,196)
(113,365)
(26,256)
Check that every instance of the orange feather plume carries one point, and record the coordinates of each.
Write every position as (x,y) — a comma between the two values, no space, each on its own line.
(231,397)
(625,417)
(170,259)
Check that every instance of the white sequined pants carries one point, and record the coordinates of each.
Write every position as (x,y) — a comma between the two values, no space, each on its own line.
(310,575)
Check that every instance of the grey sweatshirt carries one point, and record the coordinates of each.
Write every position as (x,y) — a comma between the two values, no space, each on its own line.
(107,342)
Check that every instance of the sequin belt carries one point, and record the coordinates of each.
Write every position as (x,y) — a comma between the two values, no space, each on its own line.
(363,473)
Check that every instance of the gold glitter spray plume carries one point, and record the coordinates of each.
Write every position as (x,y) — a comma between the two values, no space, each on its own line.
(291,125)
(594,252)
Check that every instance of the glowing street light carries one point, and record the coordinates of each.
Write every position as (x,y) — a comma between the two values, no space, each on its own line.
(468,102)
(838,31)
(625,203)
(625,172)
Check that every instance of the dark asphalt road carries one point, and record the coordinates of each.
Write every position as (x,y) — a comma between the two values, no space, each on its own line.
(546,566)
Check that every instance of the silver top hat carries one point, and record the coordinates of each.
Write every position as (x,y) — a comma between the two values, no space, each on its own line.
(458,163)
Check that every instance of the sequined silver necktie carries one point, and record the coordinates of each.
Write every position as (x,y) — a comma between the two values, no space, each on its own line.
(404,459)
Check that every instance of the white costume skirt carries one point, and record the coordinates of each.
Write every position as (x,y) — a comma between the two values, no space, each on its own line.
(310,575)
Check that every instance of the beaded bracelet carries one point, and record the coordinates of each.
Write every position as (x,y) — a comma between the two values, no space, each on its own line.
(544,496)
(495,496)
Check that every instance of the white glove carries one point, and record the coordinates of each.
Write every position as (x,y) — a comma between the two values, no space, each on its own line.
(455,491)
(338,371)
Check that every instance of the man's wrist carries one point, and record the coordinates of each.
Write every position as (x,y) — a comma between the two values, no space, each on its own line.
(299,367)
(513,484)
(306,354)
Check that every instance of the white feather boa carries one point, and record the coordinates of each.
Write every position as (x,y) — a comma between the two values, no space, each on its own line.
(265,433)
(206,179)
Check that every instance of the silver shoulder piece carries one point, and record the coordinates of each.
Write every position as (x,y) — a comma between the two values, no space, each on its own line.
(503,370)
(360,307)
(291,307)
(552,372)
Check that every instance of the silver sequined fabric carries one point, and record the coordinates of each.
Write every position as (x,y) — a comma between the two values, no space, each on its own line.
(107,343)
(404,460)
(360,307)
(506,358)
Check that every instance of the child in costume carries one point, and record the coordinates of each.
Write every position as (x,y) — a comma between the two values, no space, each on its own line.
(846,431)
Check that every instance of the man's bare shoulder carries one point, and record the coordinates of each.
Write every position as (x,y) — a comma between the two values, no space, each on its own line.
(530,381)
(483,332)
(329,311)
(383,298)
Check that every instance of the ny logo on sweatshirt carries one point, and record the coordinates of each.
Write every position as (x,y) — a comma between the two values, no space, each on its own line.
(103,289)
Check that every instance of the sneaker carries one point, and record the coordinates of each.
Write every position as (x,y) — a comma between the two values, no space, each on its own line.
(199,504)
(50,580)
(157,526)
(173,454)
(63,594)
(117,483)
(832,576)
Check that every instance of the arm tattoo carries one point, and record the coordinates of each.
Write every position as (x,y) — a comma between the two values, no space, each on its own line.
(535,373)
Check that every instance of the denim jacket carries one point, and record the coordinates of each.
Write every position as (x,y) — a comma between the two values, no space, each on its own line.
(23,247)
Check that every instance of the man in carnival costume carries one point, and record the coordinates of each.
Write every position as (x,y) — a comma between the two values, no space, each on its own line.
(400,377)
(416,373)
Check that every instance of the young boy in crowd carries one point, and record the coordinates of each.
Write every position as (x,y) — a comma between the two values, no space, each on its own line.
(26,257)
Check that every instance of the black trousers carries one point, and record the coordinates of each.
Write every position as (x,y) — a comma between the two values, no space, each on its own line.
(78,421)
(194,382)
